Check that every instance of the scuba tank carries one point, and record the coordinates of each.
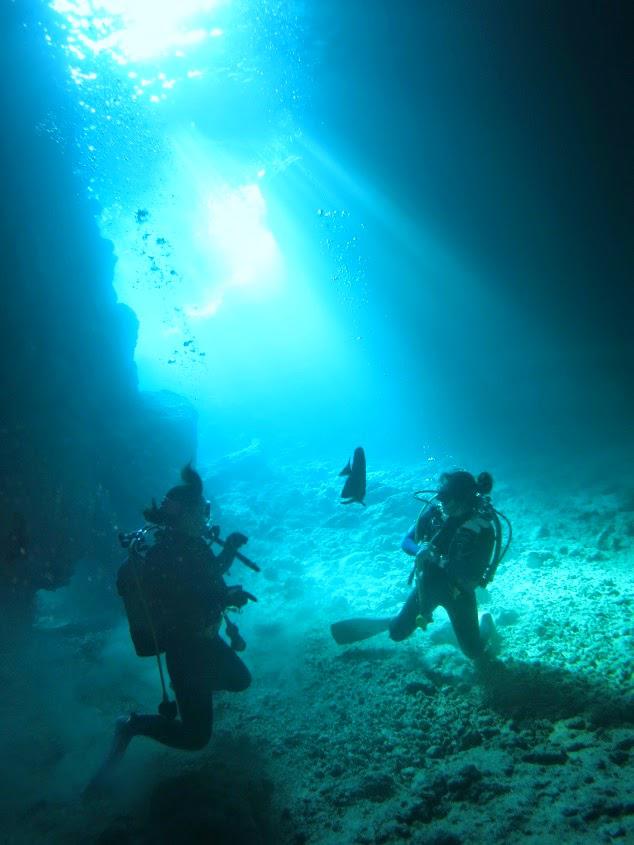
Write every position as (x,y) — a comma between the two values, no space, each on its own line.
(147,592)
(144,619)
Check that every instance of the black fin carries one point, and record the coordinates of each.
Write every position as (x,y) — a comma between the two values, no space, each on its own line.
(355,484)
(353,630)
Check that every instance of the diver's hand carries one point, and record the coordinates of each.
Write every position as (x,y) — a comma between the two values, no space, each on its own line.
(426,552)
(235,540)
(237,597)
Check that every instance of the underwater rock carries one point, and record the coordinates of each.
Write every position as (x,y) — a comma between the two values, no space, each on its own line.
(470,739)
(146,450)
(625,744)
(425,686)
(205,807)
(244,465)
(443,634)
(442,837)
(463,783)
(435,752)
(122,831)
(376,786)
(507,617)
(602,807)
(67,356)
(536,559)
(546,757)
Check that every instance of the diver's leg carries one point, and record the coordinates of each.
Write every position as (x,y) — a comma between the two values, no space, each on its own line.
(190,668)
(404,623)
(228,671)
(101,780)
(431,591)
(490,637)
(420,604)
(463,612)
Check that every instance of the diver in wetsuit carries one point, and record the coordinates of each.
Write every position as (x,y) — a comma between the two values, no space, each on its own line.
(173,579)
(456,541)
(453,541)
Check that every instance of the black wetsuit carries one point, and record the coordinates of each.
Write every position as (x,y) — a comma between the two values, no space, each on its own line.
(461,549)
(184,577)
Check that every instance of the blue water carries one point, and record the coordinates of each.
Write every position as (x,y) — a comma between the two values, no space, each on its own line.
(257,234)
(400,214)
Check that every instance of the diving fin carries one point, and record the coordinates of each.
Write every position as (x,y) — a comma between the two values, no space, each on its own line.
(352,630)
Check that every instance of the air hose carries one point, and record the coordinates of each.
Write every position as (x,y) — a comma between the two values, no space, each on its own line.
(498,551)
(167,707)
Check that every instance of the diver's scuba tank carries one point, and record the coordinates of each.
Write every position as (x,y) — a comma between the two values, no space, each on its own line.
(144,621)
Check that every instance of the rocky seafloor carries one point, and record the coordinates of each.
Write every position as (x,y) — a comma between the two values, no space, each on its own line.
(375,742)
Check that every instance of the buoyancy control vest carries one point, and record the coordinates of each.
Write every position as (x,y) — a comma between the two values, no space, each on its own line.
(470,546)
(144,615)
(161,589)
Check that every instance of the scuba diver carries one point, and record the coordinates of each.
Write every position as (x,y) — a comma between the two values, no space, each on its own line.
(176,598)
(457,544)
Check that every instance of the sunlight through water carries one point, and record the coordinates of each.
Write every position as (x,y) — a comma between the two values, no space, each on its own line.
(134,30)
(193,143)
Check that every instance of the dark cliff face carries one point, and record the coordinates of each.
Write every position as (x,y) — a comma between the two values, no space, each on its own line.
(71,420)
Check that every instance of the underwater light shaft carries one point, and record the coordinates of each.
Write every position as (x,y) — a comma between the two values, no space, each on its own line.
(225,281)
(135,30)
(237,228)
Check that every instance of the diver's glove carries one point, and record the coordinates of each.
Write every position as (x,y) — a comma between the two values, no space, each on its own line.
(237,597)
(236,640)
(426,553)
(235,540)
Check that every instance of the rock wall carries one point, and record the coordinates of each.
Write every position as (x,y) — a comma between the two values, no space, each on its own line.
(80,449)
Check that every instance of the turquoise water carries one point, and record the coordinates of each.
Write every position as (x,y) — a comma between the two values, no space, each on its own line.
(393,216)
(257,234)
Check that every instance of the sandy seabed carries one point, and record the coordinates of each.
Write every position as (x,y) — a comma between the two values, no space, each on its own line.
(377,742)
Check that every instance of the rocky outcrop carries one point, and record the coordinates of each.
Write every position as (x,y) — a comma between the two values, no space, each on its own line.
(79,448)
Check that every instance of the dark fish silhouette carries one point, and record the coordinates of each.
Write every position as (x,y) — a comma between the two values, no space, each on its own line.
(354,488)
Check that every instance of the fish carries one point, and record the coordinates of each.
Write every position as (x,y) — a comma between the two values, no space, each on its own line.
(354,487)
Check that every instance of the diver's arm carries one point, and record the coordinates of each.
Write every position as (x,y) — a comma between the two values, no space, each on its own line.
(409,544)
(224,559)
(419,532)
(205,583)
(228,553)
